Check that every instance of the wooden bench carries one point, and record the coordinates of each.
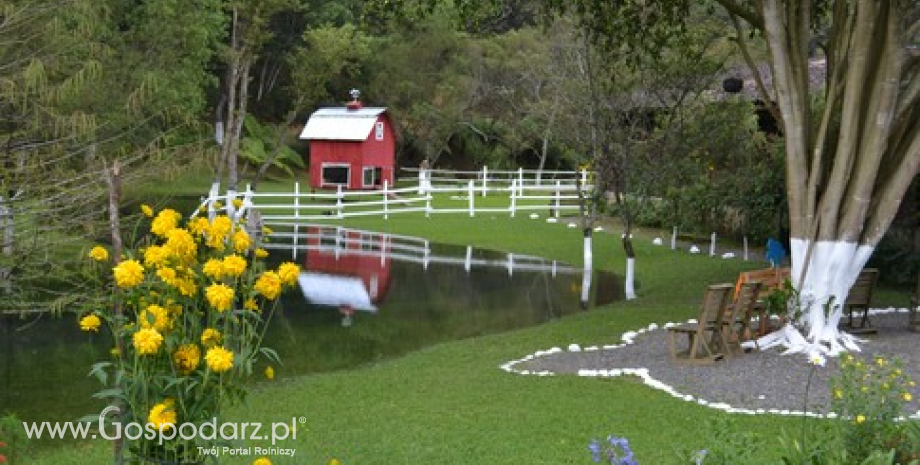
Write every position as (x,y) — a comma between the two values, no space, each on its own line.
(859,298)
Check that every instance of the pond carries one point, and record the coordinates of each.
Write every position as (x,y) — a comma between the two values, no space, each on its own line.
(364,297)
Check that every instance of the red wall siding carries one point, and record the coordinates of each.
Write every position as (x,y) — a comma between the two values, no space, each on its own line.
(370,153)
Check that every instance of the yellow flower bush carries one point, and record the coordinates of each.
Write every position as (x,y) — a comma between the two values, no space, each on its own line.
(193,303)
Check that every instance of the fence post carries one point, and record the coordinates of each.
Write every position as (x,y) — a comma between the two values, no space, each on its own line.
(712,245)
(584,177)
(510,264)
(485,179)
(745,249)
(297,202)
(556,213)
(467,264)
(472,197)
(521,177)
(338,202)
(212,198)
(674,239)
(427,205)
(386,214)
(294,241)
(513,190)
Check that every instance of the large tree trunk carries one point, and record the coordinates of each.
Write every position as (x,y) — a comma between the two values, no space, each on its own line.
(847,172)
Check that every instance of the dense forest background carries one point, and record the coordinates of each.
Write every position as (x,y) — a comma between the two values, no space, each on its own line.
(156,88)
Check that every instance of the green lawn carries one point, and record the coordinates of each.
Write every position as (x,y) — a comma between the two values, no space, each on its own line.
(451,404)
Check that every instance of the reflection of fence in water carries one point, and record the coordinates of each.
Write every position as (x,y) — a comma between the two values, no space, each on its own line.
(345,241)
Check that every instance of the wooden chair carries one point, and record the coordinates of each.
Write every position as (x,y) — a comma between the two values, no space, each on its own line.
(738,326)
(860,298)
(706,340)
(913,318)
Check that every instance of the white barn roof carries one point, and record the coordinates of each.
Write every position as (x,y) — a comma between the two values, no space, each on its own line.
(341,124)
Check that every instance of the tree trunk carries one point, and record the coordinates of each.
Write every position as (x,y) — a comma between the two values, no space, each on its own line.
(842,193)
(113,179)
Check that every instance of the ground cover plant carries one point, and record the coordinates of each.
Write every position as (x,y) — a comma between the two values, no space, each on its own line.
(451,404)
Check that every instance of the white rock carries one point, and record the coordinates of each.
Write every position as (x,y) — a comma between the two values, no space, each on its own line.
(728,255)
(657,241)
(574,348)
(572,225)
(694,249)
(552,220)
(534,216)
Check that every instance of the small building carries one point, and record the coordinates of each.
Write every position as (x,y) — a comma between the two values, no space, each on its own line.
(352,146)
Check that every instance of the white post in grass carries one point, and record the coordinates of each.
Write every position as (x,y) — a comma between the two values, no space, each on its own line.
(294,242)
(510,264)
(521,178)
(297,202)
(712,245)
(745,249)
(674,239)
(485,179)
(556,212)
(513,197)
(468,263)
(386,214)
(338,202)
(584,177)
(425,257)
(427,205)
(472,195)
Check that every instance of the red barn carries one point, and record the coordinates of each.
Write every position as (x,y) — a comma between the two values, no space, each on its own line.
(353,147)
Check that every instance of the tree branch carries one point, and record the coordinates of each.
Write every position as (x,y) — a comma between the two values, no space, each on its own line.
(750,16)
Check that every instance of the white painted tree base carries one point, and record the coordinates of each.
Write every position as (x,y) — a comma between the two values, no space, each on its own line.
(832,270)
(630,289)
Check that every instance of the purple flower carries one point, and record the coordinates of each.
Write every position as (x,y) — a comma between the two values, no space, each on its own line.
(617,453)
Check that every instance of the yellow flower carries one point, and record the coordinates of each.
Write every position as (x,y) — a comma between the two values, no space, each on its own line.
(219,359)
(162,415)
(168,275)
(90,322)
(181,243)
(98,253)
(213,268)
(210,337)
(838,393)
(165,221)
(269,285)
(155,255)
(154,316)
(234,265)
(217,232)
(186,358)
(860,419)
(187,287)
(220,296)
(907,397)
(262,461)
(269,373)
(881,361)
(288,272)
(261,253)
(266,230)
(199,225)
(146,210)
(241,241)
(129,273)
(237,203)
(911,383)
(335,462)
(251,304)
(115,352)
(147,341)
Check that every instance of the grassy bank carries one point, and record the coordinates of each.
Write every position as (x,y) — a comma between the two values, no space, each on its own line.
(451,404)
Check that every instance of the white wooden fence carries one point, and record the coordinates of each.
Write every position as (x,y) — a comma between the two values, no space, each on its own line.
(440,197)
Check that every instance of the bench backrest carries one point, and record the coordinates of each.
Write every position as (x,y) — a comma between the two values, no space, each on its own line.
(770,279)
(861,292)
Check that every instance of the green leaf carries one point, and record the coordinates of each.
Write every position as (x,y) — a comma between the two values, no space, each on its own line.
(270,354)
(114,393)
(99,372)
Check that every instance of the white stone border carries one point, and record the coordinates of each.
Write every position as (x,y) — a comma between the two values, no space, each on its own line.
(629,338)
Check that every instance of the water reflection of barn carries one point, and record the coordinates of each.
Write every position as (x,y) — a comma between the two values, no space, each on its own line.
(344,267)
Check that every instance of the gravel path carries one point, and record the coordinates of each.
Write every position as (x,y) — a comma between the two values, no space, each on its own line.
(759,381)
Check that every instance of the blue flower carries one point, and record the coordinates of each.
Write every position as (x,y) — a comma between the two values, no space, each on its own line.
(617,453)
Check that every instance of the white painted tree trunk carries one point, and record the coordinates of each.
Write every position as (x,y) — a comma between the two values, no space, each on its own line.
(831,271)
(630,289)
(588,264)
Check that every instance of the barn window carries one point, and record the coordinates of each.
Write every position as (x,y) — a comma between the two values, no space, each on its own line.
(378,133)
(372,176)
(335,174)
